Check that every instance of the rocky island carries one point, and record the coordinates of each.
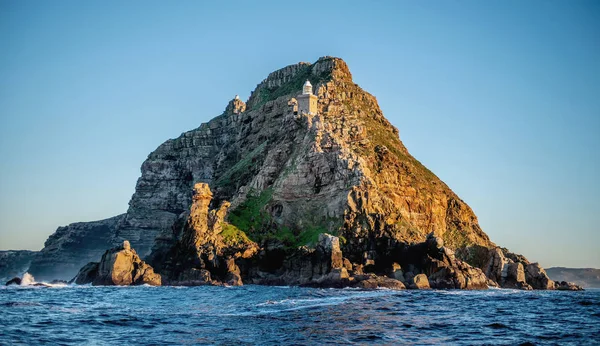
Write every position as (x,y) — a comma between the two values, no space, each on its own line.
(306,183)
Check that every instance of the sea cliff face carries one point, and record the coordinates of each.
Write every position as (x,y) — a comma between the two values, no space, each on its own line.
(71,247)
(289,177)
(14,263)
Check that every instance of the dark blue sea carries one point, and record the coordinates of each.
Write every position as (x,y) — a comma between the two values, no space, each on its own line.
(251,315)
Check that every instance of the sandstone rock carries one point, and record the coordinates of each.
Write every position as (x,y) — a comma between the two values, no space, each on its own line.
(538,279)
(496,265)
(195,277)
(419,282)
(396,272)
(206,252)
(347,264)
(119,266)
(380,282)
(235,106)
(233,273)
(514,275)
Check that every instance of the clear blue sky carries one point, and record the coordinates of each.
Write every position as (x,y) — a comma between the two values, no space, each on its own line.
(501,99)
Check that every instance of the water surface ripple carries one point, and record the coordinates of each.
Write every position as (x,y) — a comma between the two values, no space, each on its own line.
(292,315)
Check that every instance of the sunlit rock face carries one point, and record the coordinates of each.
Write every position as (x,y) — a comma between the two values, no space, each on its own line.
(119,266)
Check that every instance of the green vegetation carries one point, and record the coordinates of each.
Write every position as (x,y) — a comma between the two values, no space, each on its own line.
(379,134)
(252,218)
(455,238)
(310,236)
(233,236)
(407,229)
(475,255)
(292,87)
(242,167)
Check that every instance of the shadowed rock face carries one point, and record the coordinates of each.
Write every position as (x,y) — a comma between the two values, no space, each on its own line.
(14,263)
(292,176)
(72,246)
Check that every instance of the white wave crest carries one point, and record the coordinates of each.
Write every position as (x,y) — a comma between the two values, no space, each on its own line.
(27,280)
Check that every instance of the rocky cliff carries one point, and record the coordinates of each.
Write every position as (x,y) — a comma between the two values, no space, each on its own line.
(291,176)
(72,246)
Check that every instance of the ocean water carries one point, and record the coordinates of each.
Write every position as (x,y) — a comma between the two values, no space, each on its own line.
(292,315)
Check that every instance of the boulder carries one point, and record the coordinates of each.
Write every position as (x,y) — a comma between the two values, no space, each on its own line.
(119,266)
(396,272)
(373,281)
(233,277)
(419,282)
(538,279)
(568,286)
(86,274)
(496,265)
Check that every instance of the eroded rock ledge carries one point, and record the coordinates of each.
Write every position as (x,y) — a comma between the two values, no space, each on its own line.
(119,266)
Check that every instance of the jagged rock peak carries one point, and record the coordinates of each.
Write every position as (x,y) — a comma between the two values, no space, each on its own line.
(288,81)
(235,106)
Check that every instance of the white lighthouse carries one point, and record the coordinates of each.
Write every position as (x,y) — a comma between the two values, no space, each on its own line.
(307,102)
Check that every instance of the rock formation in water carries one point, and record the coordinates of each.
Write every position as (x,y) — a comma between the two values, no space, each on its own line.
(119,266)
(14,263)
(208,247)
(296,164)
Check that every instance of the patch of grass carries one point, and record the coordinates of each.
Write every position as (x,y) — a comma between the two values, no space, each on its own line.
(241,167)
(455,238)
(253,218)
(293,87)
(233,236)
(250,216)
(310,235)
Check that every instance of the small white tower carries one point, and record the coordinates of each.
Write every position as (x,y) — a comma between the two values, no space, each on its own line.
(307,88)
(307,102)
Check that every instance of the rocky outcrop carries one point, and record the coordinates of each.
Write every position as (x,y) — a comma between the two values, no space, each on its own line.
(14,263)
(431,264)
(72,246)
(119,266)
(568,286)
(504,272)
(209,247)
(536,276)
(14,281)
